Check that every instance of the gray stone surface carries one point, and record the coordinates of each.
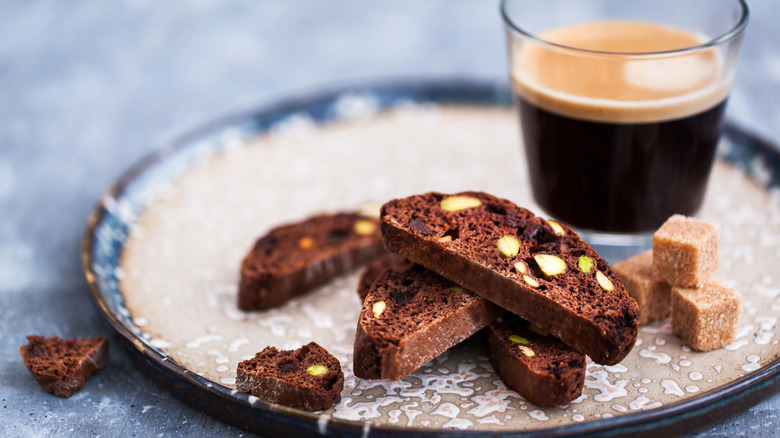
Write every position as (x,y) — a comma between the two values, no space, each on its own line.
(88,87)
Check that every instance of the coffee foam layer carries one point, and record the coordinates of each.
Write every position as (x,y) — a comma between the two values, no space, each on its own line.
(620,88)
(618,111)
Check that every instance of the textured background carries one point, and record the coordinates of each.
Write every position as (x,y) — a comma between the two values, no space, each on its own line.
(88,87)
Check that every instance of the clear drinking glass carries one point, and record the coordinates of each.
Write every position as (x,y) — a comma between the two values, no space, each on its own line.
(621,106)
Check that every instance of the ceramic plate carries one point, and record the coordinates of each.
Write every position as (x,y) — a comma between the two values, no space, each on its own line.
(163,247)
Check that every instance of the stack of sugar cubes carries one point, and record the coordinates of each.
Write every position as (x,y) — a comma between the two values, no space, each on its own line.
(677,277)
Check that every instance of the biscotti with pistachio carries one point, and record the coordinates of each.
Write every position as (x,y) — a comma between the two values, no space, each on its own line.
(294,258)
(308,378)
(534,363)
(538,269)
(410,316)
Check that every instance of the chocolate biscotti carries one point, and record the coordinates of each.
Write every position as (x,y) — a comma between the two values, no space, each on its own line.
(294,258)
(529,360)
(411,316)
(61,366)
(538,269)
(308,378)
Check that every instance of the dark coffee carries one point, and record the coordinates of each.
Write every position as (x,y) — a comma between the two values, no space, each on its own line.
(619,177)
(618,143)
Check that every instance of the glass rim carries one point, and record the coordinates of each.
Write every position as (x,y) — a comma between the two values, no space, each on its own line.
(727,36)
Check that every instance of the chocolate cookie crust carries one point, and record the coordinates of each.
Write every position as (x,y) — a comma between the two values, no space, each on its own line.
(460,241)
(294,258)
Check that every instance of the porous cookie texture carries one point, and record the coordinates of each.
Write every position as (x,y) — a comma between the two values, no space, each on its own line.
(411,316)
(294,258)
(538,269)
(653,297)
(538,366)
(685,251)
(374,269)
(706,318)
(308,378)
(62,366)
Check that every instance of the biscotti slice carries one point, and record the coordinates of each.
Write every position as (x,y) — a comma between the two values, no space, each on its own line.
(534,363)
(374,269)
(411,316)
(294,258)
(538,269)
(61,366)
(308,378)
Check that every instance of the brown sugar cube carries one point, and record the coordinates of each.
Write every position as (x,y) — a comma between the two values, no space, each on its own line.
(653,297)
(685,251)
(706,318)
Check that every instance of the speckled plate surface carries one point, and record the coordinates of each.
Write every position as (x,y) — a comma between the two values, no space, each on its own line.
(163,246)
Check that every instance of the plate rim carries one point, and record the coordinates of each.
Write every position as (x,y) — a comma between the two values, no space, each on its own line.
(680,417)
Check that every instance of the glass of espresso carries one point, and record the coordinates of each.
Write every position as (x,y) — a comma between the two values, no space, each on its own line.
(621,106)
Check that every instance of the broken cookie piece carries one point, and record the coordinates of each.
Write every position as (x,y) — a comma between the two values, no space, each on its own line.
(61,366)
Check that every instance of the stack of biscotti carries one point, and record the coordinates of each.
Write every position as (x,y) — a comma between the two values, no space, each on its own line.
(537,269)
(504,255)
(411,315)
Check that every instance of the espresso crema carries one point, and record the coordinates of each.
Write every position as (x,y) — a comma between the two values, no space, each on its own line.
(613,87)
